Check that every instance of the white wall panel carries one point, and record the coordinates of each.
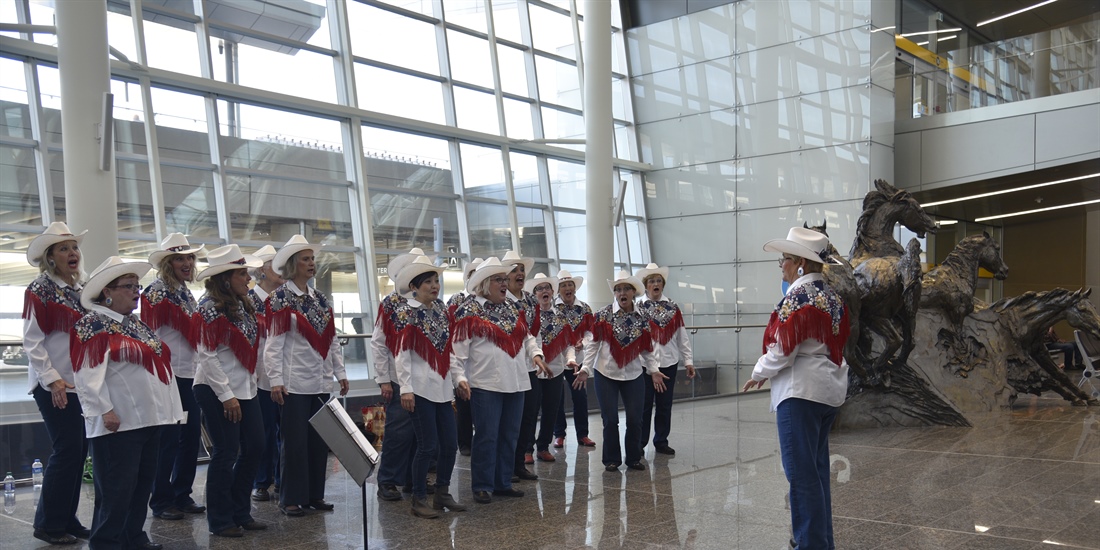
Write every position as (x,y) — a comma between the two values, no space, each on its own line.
(668,44)
(828,118)
(807,176)
(1067,133)
(765,23)
(684,91)
(805,66)
(692,239)
(696,189)
(695,139)
(973,149)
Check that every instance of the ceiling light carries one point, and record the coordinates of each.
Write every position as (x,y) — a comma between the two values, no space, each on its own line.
(885,28)
(1017,12)
(925,43)
(908,34)
(942,223)
(1024,188)
(1036,211)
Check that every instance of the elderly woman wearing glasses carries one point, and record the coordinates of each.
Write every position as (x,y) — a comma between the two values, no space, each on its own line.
(168,307)
(618,347)
(51,306)
(123,375)
(555,337)
(491,348)
(803,358)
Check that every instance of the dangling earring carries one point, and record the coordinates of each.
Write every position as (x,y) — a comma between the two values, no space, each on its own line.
(800,272)
(108,301)
(51,263)
(225,284)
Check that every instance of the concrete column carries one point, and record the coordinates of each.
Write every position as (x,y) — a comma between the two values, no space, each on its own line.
(90,193)
(598,131)
(1040,65)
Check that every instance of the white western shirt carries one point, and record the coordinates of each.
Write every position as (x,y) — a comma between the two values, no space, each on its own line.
(47,354)
(485,366)
(415,375)
(598,354)
(677,348)
(262,381)
(293,363)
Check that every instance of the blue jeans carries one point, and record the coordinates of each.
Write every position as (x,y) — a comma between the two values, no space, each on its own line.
(551,402)
(532,400)
(268,470)
(398,443)
(1070,351)
(65,466)
(580,408)
(305,453)
(632,392)
(434,425)
(123,467)
(662,422)
(804,445)
(233,462)
(497,417)
(178,456)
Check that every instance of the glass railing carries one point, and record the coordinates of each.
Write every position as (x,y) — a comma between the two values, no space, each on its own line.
(1053,62)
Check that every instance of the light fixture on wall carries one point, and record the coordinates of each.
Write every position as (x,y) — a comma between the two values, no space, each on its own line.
(1017,12)
(1014,189)
(908,34)
(1036,211)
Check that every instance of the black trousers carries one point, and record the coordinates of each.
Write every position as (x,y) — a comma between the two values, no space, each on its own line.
(305,453)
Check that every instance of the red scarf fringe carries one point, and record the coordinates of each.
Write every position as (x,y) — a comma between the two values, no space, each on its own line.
(221,331)
(605,333)
(470,327)
(808,322)
(391,333)
(279,322)
(413,339)
(168,314)
(51,317)
(553,349)
(537,325)
(122,349)
(665,333)
(577,334)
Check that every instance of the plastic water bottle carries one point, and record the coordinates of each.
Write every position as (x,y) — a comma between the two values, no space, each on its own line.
(9,494)
(36,478)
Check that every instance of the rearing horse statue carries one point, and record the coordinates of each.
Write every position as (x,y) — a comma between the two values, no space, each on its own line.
(950,286)
(882,209)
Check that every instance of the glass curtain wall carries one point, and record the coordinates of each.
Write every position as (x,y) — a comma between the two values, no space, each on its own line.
(369,126)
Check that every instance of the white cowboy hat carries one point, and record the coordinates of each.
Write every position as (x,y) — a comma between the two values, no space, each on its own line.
(470,267)
(227,258)
(420,265)
(564,275)
(57,232)
(512,258)
(540,279)
(624,276)
(293,246)
(265,254)
(174,243)
(487,269)
(804,243)
(652,269)
(400,261)
(111,269)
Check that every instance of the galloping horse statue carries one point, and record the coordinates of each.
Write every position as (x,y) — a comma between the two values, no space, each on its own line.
(950,286)
(882,209)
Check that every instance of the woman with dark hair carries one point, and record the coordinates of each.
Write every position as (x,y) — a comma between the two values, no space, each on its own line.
(579,316)
(556,339)
(488,342)
(423,373)
(302,357)
(51,306)
(225,387)
(804,359)
(618,348)
(168,307)
(123,374)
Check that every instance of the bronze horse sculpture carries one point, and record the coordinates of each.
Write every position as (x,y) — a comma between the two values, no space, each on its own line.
(841,278)
(883,208)
(950,286)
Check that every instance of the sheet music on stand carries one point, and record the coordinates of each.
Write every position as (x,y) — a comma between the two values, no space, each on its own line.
(346,441)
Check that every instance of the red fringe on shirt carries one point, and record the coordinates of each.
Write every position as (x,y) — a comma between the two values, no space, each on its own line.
(665,333)
(391,332)
(220,332)
(122,349)
(577,333)
(605,333)
(168,314)
(808,322)
(537,325)
(553,349)
(470,327)
(52,316)
(278,322)
(413,339)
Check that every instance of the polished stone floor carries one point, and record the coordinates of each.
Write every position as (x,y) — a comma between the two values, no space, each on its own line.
(1023,479)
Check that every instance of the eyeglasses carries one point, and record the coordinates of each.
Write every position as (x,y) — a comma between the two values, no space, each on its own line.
(784,259)
(498,280)
(133,287)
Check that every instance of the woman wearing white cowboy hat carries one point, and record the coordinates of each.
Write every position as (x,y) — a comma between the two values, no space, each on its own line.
(464,421)
(399,444)
(225,387)
(517,277)
(267,280)
(489,340)
(803,358)
(123,374)
(579,316)
(302,356)
(618,348)
(671,344)
(422,366)
(168,307)
(556,340)
(51,306)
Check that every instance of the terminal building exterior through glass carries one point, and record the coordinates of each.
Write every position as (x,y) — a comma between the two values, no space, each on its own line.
(458,126)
